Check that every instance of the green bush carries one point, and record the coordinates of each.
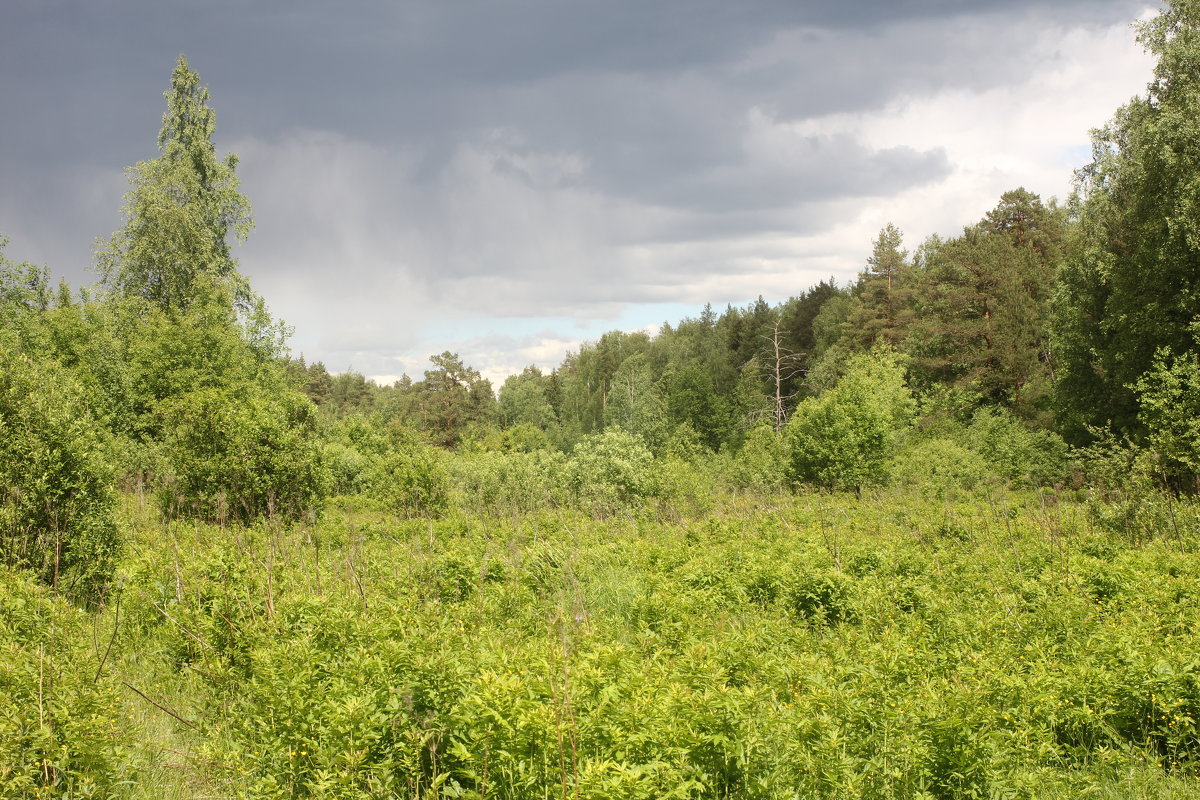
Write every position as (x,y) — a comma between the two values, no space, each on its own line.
(240,454)
(938,467)
(351,449)
(56,483)
(1022,455)
(685,489)
(347,466)
(611,470)
(762,463)
(823,598)
(844,438)
(525,437)
(60,732)
(1169,408)
(511,482)
(410,477)
(685,444)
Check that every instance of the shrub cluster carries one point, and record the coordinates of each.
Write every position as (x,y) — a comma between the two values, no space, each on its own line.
(241,454)
(56,493)
(844,438)
(821,647)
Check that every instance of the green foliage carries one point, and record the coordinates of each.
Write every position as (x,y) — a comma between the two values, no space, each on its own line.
(809,646)
(61,733)
(1129,492)
(241,454)
(830,352)
(24,288)
(350,448)
(940,467)
(762,463)
(844,438)
(181,209)
(609,471)
(882,295)
(692,399)
(684,488)
(56,494)
(80,334)
(525,437)
(410,477)
(1130,290)
(512,482)
(205,346)
(451,399)
(685,444)
(1025,456)
(635,402)
(523,401)
(1169,410)
(823,598)
(981,302)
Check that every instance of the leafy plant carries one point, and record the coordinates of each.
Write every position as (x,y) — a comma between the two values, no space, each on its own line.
(1169,408)
(61,732)
(56,483)
(1023,455)
(844,438)
(410,477)
(240,454)
(610,470)
(939,466)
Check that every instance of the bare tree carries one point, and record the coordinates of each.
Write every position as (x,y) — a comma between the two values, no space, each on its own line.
(784,364)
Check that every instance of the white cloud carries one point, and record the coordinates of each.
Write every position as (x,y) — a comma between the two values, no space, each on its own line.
(1032,134)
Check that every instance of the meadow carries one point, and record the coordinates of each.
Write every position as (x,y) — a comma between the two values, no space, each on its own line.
(929,534)
(891,644)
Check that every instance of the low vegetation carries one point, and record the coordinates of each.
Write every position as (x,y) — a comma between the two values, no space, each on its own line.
(893,645)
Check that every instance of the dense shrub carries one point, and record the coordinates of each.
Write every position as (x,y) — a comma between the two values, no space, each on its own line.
(410,477)
(685,488)
(1169,409)
(938,467)
(56,494)
(610,470)
(60,733)
(241,454)
(685,444)
(351,448)
(511,482)
(762,462)
(348,467)
(524,437)
(823,598)
(844,438)
(1025,456)
(1127,494)
(818,647)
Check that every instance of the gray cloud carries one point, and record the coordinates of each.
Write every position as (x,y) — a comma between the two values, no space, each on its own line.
(417,161)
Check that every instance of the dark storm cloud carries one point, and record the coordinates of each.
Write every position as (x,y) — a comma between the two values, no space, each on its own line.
(384,67)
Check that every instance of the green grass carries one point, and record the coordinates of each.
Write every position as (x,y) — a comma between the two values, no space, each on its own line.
(813,646)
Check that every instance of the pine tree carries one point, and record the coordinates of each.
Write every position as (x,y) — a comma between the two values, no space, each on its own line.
(881,292)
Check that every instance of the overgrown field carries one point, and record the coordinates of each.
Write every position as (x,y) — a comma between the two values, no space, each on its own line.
(810,646)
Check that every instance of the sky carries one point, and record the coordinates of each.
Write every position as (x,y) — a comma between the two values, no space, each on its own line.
(505,179)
